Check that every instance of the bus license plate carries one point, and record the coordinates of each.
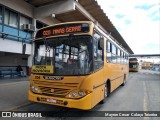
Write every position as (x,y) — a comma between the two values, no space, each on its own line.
(51,100)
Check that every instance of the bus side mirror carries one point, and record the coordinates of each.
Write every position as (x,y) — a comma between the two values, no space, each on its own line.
(101,44)
(23,49)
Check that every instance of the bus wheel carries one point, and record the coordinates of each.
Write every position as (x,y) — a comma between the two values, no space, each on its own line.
(124,81)
(106,94)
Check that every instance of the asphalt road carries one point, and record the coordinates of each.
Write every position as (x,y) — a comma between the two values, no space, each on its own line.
(141,93)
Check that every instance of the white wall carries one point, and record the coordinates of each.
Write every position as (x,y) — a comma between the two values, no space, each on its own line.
(13,46)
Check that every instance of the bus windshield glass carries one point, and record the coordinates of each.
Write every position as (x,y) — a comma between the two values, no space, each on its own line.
(133,65)
(70,55)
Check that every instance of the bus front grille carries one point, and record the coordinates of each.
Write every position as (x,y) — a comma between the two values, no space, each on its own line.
(56,89)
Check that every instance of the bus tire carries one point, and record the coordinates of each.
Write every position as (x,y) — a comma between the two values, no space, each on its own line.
(124,80)
(106,94)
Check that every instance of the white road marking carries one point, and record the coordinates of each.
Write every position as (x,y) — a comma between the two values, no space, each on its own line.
(145,106)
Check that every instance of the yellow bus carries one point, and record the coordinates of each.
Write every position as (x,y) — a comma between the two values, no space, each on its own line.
(133,65)
(76,65)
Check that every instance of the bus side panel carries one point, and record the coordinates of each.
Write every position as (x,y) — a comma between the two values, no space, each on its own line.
(115,73)
(126,71)
(118,77)
(97,80)
(112,72)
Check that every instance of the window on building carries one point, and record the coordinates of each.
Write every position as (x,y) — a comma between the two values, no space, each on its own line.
(24,20)
(11,18)
(1,14)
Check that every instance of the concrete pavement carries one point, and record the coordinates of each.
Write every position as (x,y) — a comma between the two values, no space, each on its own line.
(13,93)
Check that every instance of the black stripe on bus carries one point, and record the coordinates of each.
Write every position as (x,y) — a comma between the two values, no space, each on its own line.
(117,77)
(105,82)
(98,85)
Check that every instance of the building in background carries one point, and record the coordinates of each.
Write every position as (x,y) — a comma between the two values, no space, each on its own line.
(147,65)
(156,66)
(19,20)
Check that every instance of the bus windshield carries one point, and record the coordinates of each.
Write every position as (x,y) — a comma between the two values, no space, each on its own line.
(133,65)
(71,55)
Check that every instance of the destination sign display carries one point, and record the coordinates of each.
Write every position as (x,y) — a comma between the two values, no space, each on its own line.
(63,29)
(42,69)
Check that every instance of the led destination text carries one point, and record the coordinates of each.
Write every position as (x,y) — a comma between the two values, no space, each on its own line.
(62,30)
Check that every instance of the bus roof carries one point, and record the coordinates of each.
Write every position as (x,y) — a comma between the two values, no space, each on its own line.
(133,59)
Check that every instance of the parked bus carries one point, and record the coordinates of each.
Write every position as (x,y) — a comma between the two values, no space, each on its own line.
(133,65)
(76,65)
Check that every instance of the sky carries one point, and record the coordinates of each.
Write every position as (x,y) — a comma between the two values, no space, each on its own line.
(138,22)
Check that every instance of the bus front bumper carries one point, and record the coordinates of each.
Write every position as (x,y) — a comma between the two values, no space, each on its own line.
(133,69)
(82,103)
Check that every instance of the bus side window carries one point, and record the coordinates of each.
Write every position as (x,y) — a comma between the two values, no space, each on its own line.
(118,56)
(114,57)
(98,52)
(121,62)
(123,58)
(127,60)
(108,52)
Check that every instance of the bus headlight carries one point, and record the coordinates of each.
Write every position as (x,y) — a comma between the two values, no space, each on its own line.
(81,93)
(32,87)
(35,89)
(74,94)
(78,94)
